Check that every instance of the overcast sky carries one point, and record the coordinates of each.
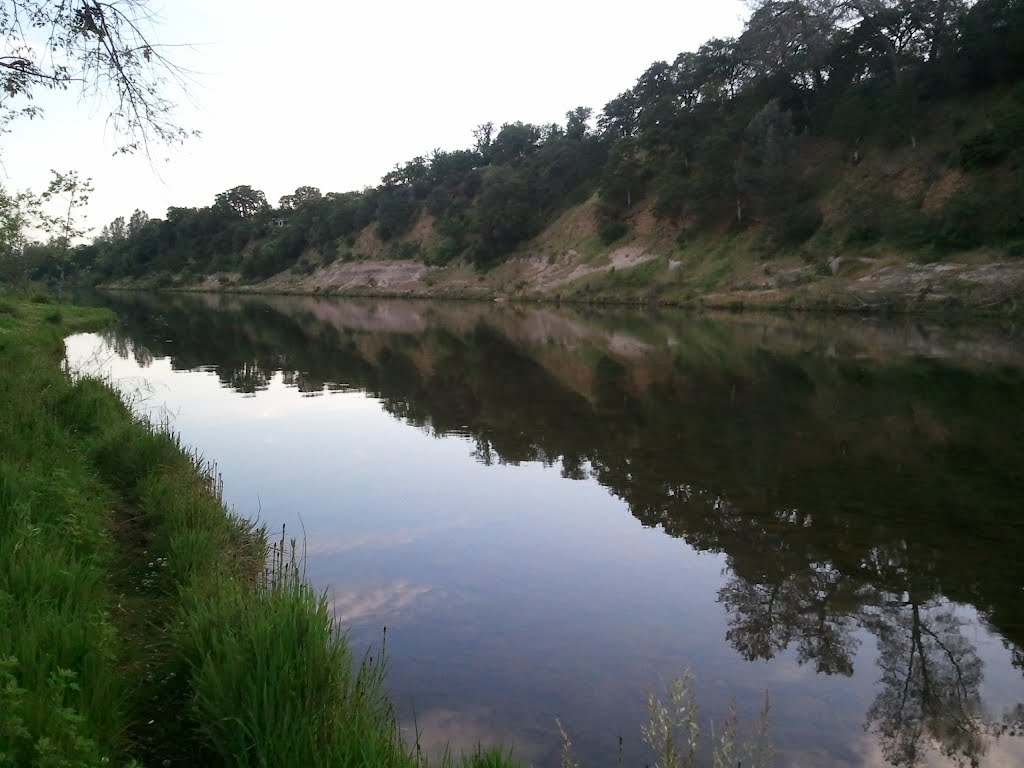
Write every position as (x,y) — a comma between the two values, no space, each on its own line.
(334,94)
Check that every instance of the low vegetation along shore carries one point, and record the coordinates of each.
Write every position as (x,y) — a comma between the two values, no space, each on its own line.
(140,622)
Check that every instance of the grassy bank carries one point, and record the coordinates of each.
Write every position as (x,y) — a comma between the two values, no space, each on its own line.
(140,622)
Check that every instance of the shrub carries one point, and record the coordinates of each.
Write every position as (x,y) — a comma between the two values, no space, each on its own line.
(797,225)
(405,251)
(610,230)
(989,147)
(445,253)
(671,198)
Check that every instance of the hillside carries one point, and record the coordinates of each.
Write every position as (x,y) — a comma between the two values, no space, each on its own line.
(837,154)
(879,244)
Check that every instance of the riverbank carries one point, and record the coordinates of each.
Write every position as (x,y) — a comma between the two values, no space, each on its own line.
(975,285)
(140,621)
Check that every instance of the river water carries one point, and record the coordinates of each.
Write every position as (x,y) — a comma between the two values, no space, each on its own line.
(552,510)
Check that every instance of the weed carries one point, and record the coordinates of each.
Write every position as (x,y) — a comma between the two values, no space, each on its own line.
(567,760)
(673,732)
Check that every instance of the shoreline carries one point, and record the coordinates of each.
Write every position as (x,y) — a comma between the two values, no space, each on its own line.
(822,301)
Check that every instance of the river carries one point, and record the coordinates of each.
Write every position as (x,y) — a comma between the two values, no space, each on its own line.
(552,510)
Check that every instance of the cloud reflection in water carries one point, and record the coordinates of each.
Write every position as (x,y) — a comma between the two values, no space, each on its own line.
(358,605)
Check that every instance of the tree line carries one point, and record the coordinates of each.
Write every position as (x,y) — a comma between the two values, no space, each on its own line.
(713,138)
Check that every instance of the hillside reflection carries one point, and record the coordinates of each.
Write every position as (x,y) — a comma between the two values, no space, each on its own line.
(862,479)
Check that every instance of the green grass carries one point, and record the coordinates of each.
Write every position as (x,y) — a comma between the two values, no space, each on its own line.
(61,695)
(140,622)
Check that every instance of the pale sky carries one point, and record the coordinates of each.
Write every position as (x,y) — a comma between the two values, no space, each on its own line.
(334,94)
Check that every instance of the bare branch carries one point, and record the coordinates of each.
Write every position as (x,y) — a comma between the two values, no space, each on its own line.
(108,48)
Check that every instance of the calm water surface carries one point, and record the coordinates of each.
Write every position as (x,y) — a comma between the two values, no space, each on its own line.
(551,510)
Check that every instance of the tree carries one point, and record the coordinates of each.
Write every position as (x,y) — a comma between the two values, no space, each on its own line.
(577,123)
(114,232)
(450,169)
(413,175)
(765,174)
(396,212)
(619,116)
(104,47)
(623,179)
(875,17)
(243,201)
(719,68)
(67,193)
(514,143)
(136,222)
(299,198)
(505,212)
(939,17)
(992,40)
(483,134)
(15,211)
(791,38)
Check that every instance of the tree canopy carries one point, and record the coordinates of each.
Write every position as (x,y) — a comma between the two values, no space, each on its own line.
(716,137)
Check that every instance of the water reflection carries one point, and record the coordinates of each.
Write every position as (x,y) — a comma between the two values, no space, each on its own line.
(861,480)
(386,603)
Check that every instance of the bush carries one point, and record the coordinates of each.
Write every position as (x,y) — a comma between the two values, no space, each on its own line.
(444,254)
(798,225)
(263,261)
(66,740)
(329,251)
(610,230)
(991,146)
(406,251)
(993,215)
(671,198)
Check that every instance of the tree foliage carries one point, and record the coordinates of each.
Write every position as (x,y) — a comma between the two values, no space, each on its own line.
(299,198)
(105,50)
(243,201)
(101,48)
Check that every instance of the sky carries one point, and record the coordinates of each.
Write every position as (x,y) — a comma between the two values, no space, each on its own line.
(335,94)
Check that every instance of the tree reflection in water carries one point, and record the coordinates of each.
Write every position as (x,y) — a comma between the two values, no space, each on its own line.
(931,675)
(856,486)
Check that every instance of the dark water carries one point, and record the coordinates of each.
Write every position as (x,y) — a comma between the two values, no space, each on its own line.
(551,510)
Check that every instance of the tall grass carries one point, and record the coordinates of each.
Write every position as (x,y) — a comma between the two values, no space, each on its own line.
(61,694)
(677,738)
(673,732)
